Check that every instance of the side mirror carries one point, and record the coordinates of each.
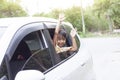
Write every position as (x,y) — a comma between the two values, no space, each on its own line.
(30,75)
(4,78)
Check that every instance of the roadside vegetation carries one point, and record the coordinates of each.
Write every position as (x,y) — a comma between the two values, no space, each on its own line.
(100,20)
(100,35)
(11,9)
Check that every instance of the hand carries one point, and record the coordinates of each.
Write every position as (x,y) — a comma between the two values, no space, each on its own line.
(73,33)
(62,49)
(61,17)
(20,57)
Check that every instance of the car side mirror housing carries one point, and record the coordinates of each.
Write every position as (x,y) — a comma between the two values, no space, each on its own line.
(30,75)
(4,78)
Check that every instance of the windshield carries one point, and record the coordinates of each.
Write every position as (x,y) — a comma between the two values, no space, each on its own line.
(2,30)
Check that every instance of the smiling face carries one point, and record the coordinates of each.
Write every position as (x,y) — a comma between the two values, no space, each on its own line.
(61,40)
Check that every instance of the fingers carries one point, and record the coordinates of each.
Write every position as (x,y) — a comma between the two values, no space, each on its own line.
(73,32)
(61,17)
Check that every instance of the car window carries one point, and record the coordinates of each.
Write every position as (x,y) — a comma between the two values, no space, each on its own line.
(40,58)
(64,55)
(33,41)
(31,53)
(68,29)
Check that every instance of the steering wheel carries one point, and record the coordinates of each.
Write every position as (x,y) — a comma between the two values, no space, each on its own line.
(33,59)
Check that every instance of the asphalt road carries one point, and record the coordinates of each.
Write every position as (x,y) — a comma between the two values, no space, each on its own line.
(106,57)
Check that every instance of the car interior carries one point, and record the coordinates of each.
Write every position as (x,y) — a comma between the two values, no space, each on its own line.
(19,58)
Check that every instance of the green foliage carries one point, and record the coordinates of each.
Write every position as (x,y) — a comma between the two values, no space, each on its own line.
(93,22)
(109,8)
(53,14)
(10,9)
(73,15)
(95,18)
(41,14)
(116,14)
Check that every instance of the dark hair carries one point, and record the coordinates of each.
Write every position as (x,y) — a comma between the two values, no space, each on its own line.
(67,36)
(63,32)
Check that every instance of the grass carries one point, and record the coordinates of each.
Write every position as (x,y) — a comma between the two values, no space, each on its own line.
(98,34)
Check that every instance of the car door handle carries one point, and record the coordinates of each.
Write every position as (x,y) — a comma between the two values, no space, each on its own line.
(83,64)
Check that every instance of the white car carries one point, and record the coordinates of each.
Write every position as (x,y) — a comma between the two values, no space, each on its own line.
(27,52)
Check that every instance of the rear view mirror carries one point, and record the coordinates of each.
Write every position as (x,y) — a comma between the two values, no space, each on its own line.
(30,75)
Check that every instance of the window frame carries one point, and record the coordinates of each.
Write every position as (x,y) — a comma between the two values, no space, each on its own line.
(48,26)
(52,26)
(54,56)
(19,35)
(4,62)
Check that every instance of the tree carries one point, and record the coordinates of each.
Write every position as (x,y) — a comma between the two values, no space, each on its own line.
(116,13)
(11,9)
(73,15)
(52,14)
(93,22)
(41,14)
(109,9)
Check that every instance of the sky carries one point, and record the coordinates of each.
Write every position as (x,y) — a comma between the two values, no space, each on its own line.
(38,6)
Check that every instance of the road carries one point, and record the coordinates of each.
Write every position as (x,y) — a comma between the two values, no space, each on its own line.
(106,57)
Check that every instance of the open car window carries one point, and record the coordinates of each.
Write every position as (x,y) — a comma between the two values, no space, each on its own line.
(67,28)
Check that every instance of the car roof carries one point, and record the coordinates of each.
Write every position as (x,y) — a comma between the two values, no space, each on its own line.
(13,21)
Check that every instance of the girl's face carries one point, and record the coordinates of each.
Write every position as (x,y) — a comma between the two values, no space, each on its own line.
(61,40)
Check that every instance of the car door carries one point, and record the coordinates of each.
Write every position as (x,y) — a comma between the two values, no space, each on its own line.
(26,42)
(69,68)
